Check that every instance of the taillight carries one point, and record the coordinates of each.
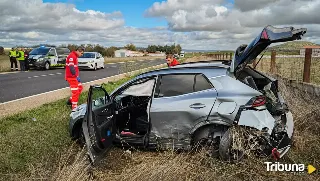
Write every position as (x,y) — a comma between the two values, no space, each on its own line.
(264,35)
(257,101)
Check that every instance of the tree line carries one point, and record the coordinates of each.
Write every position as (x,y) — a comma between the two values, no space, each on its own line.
(173,49)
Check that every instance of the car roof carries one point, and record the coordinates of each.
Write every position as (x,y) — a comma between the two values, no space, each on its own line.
(205,67)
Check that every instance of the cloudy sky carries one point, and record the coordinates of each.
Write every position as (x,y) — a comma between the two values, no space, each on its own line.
(195,24)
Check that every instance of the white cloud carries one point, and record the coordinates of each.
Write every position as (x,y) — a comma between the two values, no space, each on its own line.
(239,22)
(195,24)
(26,15)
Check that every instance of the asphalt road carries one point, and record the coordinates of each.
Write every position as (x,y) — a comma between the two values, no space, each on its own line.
(23,84)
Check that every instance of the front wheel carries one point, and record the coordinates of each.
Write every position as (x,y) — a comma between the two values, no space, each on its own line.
(47,66)
(81,140)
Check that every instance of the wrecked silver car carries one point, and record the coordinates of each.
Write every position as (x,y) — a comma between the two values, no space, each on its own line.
(191,103)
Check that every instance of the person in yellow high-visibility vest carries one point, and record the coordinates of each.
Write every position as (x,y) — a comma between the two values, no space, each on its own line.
(20,58)
(13,60)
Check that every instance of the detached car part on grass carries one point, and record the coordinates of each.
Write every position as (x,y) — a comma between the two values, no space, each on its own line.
(190,104)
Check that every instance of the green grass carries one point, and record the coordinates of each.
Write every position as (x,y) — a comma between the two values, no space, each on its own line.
(37,136)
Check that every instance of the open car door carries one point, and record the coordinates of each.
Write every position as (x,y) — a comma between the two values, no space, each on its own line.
(98,124)
(246,54)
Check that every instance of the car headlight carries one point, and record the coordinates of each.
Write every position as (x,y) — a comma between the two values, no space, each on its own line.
(40,59)
(91,61)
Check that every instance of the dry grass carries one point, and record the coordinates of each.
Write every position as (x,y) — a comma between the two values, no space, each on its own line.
(293,68)
(5,63)
(126,59)
(141,165)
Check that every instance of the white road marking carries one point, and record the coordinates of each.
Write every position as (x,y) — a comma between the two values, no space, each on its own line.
(113,66)
(121,62)
(44,75)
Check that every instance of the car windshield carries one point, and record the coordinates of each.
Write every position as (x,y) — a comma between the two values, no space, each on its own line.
(88,55)
(39,51)
(63,51)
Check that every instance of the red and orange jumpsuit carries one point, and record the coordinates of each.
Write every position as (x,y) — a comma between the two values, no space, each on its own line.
(72,76)
(173,63)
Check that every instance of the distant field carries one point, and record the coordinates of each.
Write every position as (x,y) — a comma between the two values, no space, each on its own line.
(4,63)
(125,59)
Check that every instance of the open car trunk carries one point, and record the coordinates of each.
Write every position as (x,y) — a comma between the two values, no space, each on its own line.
(246,54)
(267,86)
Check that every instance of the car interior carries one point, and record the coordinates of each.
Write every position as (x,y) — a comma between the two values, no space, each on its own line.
(258,82)
(133,105)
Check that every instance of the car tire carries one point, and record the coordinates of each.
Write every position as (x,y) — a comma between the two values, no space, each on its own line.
(225,148)
(80,137)
(95,67)
(202,138)
(102,67)
(47,66)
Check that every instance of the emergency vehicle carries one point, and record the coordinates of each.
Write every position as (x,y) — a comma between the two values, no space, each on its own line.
(44,57)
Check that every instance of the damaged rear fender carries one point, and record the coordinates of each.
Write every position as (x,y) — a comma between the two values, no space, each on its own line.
(202,129)
(257,119)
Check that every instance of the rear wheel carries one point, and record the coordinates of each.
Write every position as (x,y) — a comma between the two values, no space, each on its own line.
(95,67)
(207,138)
(231,147)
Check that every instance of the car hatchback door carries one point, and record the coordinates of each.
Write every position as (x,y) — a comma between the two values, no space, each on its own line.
(98,124)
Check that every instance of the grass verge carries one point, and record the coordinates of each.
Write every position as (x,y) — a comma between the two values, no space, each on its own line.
(35,139)
(37,136)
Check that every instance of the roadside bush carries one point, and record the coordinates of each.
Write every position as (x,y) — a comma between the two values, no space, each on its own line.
(1,50)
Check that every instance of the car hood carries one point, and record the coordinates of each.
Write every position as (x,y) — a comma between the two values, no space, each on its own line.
(267,36)
(85,59)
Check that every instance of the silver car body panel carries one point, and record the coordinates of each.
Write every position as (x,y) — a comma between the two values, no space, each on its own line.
(227,90)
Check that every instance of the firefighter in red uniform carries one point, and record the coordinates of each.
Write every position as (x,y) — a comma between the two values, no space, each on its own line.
(171,61)
(72,76)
